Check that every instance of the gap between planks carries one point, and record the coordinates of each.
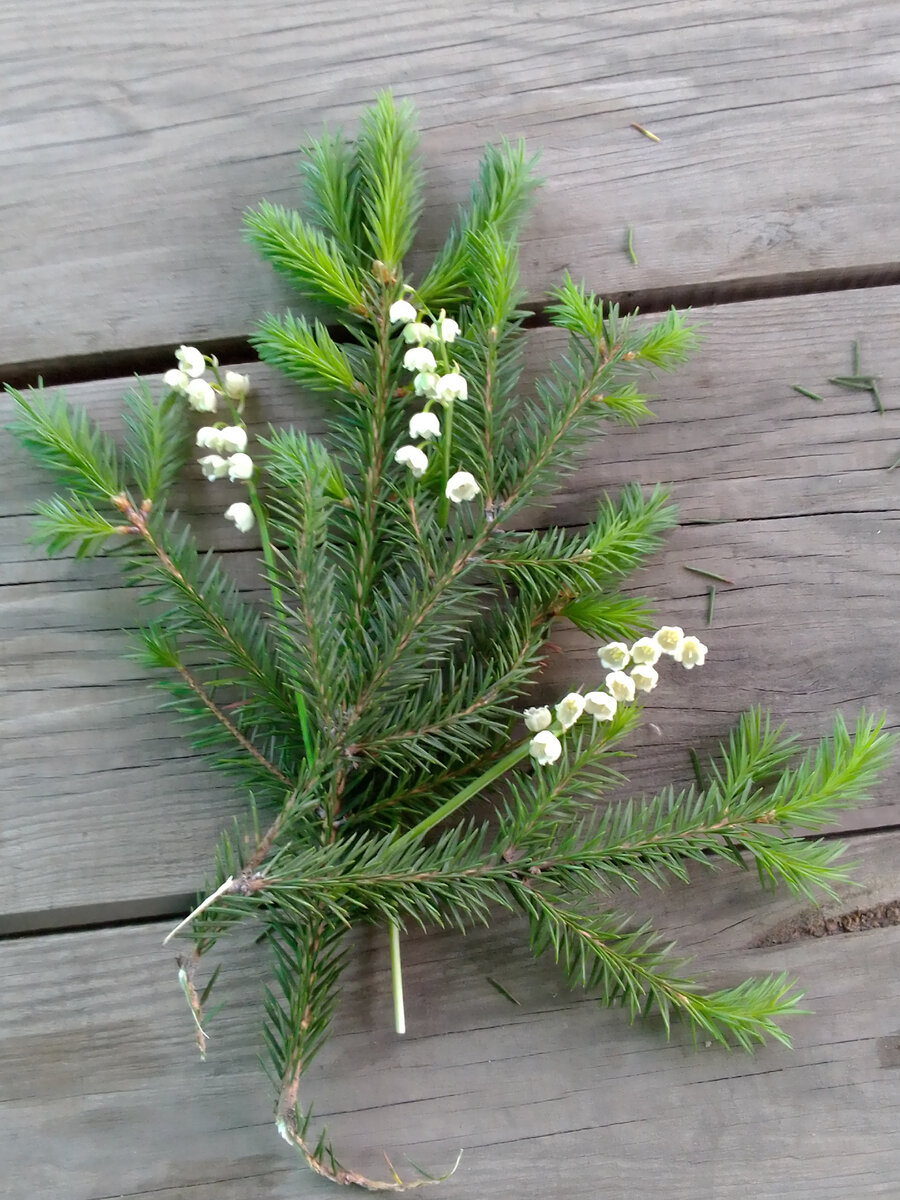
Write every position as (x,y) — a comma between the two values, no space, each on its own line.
(152,360)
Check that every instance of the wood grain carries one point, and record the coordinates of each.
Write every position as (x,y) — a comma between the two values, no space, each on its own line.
(135,135)
(101,1094)
(105,815)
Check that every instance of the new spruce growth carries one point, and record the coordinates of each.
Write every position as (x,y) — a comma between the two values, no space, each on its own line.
(384,685)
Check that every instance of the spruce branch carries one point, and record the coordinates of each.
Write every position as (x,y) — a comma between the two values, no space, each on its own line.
(376,695)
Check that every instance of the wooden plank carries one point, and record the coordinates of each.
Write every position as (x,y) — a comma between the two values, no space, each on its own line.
(101,1095)
(135,135)
(810,539)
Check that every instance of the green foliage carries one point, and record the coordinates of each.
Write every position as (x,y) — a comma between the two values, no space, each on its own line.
(62,520)
(64,441)
(157,441)
(310,259)
(390,179)
(377,693)
(306,352)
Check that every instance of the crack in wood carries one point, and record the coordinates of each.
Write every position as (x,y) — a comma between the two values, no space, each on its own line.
(818,924)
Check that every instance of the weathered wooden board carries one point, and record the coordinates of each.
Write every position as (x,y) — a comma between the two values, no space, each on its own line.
(134,136)
(105,815)
(101,1094)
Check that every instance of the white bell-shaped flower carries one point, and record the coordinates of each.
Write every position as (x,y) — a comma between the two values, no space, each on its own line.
(614,656)
(191,361)
(620,685)
(691,653)
(600,705)
(645,677)
(200,396)
(570,709)
(414,458)
(242,515)
(214,466)
(537,719)
(240,467)
(450,387)
(545,748)
(424,425)
(461,486)
(419,358)
(401,310)
(236,386)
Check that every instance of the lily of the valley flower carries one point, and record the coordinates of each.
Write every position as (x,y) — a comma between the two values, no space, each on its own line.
(570,709)
(425,383)
(537,719)
(208,437)
(417,333)
(176,379)
(401,310)
(424,425)
(646,650)
(200,396)
(232,439)
(191,361)
(600,705)
(545,748)
(242,515)
(620,685)
(236,386)
(691,653)
(414,458)
(645,677)
(240,466)
(419,358)
(450,387)
(614,656)
(461,486)
(447,329)
(668,638)
(214,466)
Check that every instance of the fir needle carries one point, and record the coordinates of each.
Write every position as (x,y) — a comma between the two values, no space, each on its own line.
(629,245)
(645,132)
(876,396)
(698,774)
(710,604)
(708,574)
(502,990)
(860,383)
(397,980)
(856,358)
(806,392)
(895,464)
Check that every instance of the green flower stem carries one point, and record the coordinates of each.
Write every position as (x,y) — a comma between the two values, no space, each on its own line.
(465,795)
(269,558)
(443,513)
(397,979)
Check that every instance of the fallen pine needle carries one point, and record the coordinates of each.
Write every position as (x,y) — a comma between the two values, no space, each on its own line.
(502,990)
(708,574)
(710,604)
(645,132)
(629,245)
(895,463)
(806,392)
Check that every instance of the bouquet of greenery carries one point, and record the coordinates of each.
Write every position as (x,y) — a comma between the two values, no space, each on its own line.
(380,688)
